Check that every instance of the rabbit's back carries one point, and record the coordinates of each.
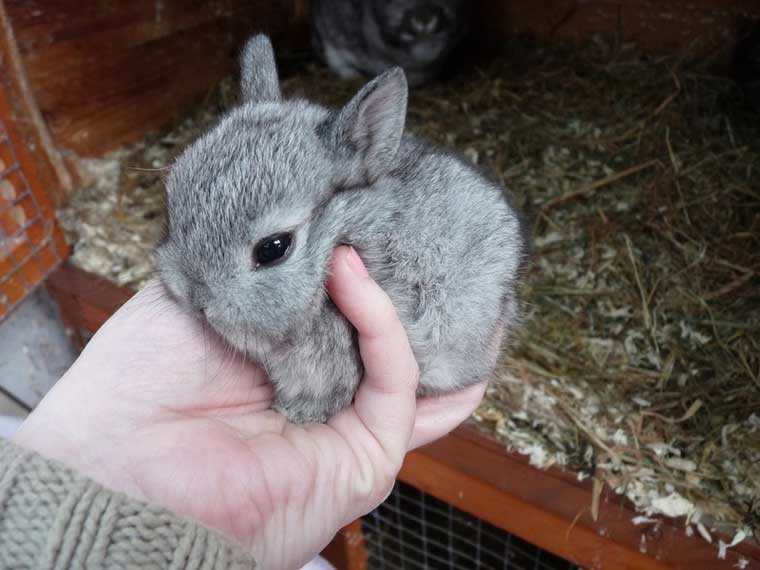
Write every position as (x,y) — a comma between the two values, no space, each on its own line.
(444,243)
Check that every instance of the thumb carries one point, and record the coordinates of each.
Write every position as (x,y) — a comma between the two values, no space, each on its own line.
(385,401)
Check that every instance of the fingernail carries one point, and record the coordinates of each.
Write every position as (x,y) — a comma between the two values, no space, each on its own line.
(355,262)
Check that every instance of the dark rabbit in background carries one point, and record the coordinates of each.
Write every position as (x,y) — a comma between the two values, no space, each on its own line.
(370,36)
(257,205)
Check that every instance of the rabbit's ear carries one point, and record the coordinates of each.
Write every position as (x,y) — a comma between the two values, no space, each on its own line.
(371,125)
(258,71)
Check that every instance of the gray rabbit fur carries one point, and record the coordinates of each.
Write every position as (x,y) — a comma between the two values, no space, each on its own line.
(370,36)
(435,233)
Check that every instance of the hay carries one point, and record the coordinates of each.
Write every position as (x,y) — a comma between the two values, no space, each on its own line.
(639,357)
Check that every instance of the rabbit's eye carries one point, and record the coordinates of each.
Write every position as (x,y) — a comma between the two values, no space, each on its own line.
(272,248)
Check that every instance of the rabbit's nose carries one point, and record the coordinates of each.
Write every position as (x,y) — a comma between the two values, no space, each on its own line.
(425,19)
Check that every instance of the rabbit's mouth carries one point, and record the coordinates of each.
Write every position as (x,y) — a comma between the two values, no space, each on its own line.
(232,333)
(239,336)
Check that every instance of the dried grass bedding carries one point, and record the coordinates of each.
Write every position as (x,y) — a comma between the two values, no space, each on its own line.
(639,358)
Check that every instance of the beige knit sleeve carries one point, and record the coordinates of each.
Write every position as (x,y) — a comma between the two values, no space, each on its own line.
(52,518)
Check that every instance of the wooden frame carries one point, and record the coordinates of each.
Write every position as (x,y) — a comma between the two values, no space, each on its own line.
(550,509)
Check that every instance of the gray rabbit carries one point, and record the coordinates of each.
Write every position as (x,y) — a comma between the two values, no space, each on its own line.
(370,36)
(257,205)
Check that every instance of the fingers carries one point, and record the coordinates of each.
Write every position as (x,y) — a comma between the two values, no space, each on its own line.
(385,401)
(439,415)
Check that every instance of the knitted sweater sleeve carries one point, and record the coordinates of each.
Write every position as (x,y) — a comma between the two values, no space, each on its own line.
(52,518)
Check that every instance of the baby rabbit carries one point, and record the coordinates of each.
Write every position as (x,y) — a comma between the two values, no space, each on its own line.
(257,205)
(369,36)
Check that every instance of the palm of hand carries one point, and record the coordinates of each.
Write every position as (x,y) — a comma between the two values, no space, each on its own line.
(196,435)
(158,408)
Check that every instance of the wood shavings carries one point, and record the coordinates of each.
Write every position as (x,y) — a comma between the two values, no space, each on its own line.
(674,505)
(703,532)
(644,520)
(723,547)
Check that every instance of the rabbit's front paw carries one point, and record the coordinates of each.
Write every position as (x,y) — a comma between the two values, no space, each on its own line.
(306,408)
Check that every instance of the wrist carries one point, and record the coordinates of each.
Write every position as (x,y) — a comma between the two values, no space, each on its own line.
(78,447)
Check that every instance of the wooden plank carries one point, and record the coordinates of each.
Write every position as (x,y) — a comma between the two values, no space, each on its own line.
(552,510)
(103,73)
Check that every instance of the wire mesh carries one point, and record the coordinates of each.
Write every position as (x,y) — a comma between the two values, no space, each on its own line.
(29,247)
(415,531)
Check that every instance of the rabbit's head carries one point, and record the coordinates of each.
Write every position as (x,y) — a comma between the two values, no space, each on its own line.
(249,240)
(426,28)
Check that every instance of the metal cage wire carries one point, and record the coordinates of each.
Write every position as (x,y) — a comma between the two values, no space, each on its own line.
(28,248)
(415,531)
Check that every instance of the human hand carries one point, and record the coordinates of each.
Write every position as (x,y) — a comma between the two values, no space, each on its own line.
(159,408)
